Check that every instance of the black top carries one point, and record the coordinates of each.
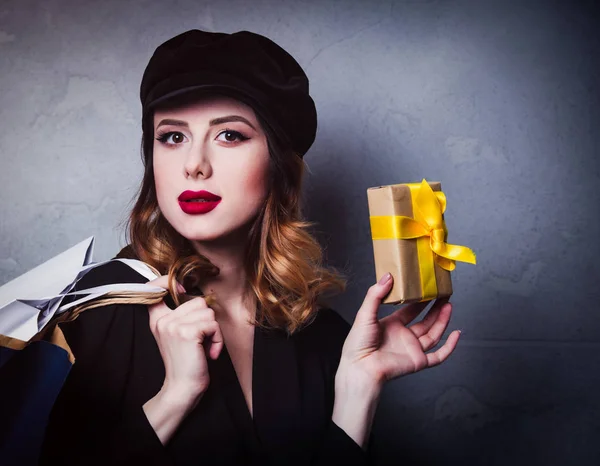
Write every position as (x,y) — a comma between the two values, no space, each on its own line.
(98,416)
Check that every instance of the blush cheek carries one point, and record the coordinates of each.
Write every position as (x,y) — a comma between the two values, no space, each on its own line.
(162,185)
(255,188)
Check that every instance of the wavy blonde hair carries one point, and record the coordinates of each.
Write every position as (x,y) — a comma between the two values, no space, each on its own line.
(283,260)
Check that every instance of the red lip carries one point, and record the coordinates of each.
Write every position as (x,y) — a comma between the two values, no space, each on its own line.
(187,204)
(188,195)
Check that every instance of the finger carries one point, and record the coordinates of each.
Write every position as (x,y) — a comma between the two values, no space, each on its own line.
(439,356)
(422,327)
(207,333)
(216,343)
(190,311)
(193,316)
(407,313)
(175,284)
(432,337)
(197,331)
(375,294)
(161,315)
(156,312)
(191,305)
(163,282)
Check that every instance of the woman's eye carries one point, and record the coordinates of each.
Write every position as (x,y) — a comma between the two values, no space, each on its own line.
(172,138)
(232,136)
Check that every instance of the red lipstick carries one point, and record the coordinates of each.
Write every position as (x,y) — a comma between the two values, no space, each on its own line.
(198,202)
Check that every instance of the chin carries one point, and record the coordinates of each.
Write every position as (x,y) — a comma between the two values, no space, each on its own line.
(210,231)
(207,227)
(195,233)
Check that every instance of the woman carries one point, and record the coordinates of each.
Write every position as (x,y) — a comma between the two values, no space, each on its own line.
(247,365)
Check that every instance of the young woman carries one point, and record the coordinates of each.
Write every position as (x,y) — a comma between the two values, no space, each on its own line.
(247,364)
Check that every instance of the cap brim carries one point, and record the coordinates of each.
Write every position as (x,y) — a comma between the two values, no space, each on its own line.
(203,89)
(200,90)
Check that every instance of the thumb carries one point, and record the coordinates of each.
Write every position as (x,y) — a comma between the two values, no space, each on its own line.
(163,282)
(375,294)
(155,312)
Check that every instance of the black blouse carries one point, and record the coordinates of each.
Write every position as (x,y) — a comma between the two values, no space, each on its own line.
(98,416)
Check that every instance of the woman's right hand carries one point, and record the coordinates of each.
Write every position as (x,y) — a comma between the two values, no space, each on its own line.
(184,336)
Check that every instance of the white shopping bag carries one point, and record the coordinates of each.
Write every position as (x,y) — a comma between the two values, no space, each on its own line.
(28,302)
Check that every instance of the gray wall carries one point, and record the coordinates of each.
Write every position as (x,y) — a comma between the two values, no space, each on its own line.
(498,100)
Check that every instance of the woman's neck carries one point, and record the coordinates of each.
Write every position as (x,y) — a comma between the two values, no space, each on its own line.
(235,302)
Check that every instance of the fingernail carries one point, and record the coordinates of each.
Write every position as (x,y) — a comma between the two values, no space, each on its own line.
(383,280)
(180,287)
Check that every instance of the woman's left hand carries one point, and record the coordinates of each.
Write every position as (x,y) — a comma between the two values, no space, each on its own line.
(378,350)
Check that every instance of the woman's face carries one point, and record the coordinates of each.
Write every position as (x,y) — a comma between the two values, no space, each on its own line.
(215,145)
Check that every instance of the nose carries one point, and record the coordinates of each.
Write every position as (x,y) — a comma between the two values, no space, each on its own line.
(197,163)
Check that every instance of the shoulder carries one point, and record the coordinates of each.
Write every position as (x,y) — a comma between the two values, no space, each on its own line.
(326,332)
(110,272)
(111,324)
(331,322)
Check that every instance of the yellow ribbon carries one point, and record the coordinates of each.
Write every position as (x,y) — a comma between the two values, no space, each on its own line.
(428,208)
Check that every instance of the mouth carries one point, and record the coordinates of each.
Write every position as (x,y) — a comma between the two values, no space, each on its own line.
(198,197)
(198,202)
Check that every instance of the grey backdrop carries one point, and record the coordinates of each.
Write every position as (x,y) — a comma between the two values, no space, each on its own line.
(498,100)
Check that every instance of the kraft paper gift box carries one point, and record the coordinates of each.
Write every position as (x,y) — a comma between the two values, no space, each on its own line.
(409,241)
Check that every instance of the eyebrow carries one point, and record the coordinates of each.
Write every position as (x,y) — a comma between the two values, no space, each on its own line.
(215,121)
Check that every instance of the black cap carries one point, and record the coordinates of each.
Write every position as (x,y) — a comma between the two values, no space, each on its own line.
(243,65)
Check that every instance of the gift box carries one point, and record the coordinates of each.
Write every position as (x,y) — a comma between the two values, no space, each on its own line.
(409,241)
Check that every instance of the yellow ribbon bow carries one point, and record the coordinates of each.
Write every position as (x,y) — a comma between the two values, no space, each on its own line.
(428,221)
(428,208)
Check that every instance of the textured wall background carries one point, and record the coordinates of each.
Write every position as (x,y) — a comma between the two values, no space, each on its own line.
(498,100)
